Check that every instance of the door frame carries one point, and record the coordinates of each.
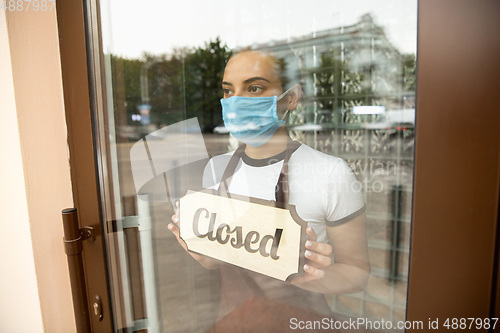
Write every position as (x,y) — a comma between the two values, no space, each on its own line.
(454,255)
(85,172)
(456,186)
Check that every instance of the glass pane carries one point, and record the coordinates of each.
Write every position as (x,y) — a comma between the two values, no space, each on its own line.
(347,73)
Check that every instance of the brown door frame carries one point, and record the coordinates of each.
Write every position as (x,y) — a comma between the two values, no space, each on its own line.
(455,207)
(77,102)
(455,214)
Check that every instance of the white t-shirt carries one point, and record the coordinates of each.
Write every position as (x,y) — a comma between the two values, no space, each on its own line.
(323,188)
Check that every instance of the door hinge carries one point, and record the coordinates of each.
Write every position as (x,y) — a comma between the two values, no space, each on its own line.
(73,246)
(73,239)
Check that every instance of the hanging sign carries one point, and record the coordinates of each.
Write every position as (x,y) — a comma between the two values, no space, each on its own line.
(246,232)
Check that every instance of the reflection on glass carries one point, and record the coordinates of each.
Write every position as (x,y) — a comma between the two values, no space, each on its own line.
(356,70)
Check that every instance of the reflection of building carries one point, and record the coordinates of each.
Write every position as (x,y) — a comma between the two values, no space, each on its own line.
(345,67)
(340,69)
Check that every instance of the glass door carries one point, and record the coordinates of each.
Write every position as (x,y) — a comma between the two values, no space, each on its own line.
(347,72)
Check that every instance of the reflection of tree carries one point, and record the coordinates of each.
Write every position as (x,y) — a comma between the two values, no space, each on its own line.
(126,88)
(165,77)
(182,85)
(204,70)
(409,70)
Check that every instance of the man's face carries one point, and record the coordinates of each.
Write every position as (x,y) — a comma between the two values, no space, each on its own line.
(251,74)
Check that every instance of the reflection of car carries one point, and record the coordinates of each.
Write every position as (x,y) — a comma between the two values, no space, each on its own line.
(406,116)
(308,127)
(394,119)
(221,129)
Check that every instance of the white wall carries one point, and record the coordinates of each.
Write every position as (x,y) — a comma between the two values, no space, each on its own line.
(35,180)
(20,309)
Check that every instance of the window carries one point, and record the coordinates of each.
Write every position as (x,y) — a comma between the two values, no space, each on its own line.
(164,64)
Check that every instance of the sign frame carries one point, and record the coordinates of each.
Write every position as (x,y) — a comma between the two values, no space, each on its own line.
(302,224)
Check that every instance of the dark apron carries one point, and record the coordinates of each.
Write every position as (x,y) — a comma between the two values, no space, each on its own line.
(247,296)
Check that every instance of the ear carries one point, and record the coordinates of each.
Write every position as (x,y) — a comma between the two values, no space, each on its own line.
(293,97)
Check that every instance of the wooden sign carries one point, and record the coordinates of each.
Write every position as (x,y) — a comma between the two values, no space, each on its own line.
(246,232)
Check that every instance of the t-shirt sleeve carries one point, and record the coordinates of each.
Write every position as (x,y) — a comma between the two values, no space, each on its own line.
(344,198)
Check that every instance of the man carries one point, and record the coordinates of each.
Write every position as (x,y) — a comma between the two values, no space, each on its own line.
(270,166)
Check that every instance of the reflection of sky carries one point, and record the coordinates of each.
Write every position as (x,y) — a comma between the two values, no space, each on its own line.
(131,27)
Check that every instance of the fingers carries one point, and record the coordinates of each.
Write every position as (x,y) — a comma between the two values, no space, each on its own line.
(320,248)
(318,260)
(311,273)
(315,273)
(318,257)
(174,227)
(175,218)
(177,210)
(318,254)
(175,230)
(311,235)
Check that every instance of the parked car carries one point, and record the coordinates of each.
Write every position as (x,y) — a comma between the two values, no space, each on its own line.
(221,129)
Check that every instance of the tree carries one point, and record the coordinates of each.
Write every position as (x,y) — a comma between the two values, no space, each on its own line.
(166,91)
(204,69)
(409,71)
(126,88)
(179,86)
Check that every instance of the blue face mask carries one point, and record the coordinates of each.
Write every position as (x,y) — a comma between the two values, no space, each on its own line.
(252,120)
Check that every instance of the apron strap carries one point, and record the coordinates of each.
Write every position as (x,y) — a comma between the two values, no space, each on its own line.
(281,189)
(229,172)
